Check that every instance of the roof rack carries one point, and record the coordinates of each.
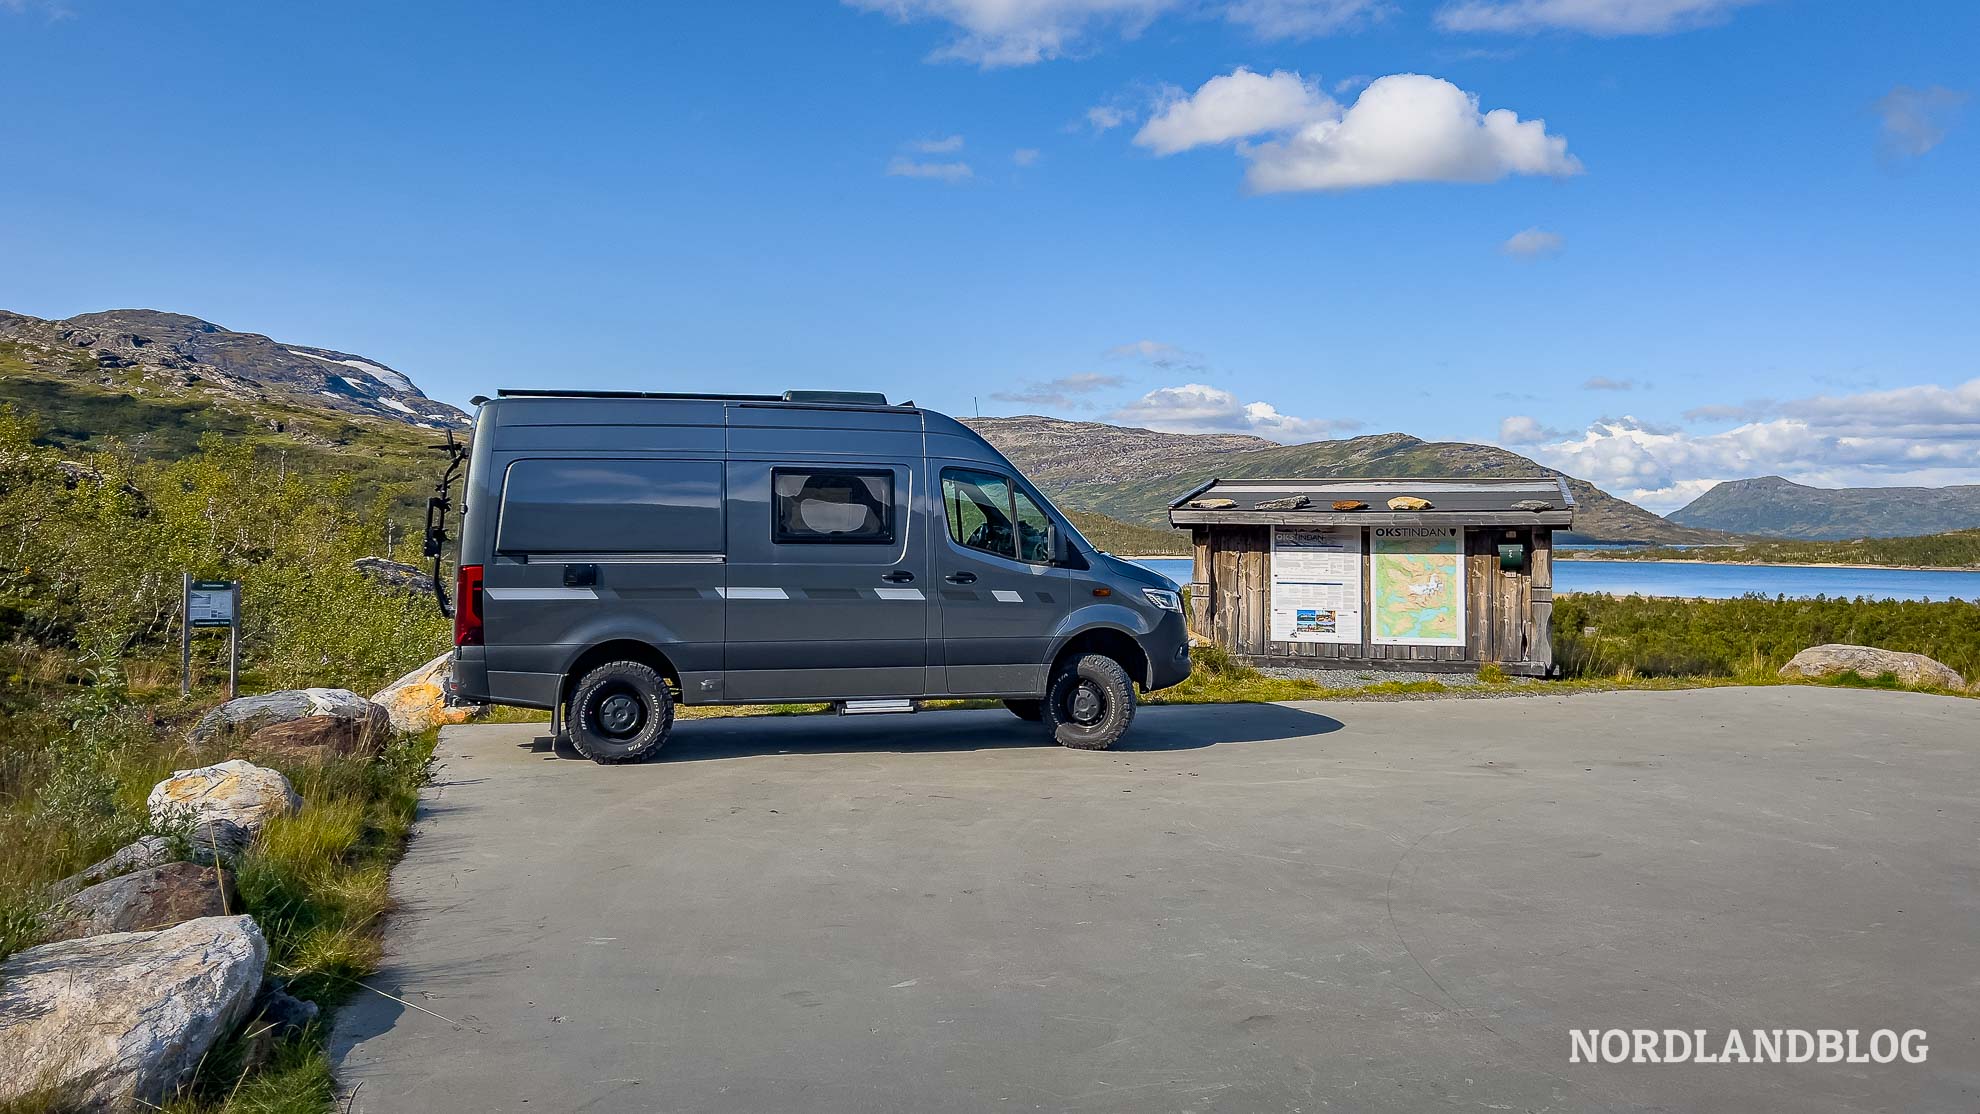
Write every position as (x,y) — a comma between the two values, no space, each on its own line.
(827,398)
(639,394)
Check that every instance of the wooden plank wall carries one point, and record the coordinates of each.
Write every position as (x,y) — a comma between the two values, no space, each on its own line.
(1507,615)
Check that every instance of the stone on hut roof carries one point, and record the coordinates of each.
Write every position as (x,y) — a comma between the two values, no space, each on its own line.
(1330,501)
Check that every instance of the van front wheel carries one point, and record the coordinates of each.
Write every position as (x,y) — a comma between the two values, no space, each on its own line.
(1089,703)
(621,711)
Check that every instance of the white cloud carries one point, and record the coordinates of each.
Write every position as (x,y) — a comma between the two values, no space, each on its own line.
(1595,17)
(1522,430)
(1408,128)
(1604,383)
(1233,106)
(1533,243)
(1302,19)
(1924,435)
(1156,353)
(951,172)
(1025,156)
(993,33)
(1065,392)
(1197,408)
(1916,120)
(948,146)
(1106,117)
(1402,128)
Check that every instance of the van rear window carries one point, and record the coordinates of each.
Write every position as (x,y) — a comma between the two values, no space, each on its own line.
(611,506)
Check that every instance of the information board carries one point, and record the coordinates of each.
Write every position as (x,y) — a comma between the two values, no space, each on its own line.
(1316,584)
(1417,585)
(210,603)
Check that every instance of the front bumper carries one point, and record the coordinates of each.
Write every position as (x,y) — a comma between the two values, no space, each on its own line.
(1167,647)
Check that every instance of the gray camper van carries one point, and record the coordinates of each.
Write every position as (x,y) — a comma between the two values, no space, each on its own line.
(621,552)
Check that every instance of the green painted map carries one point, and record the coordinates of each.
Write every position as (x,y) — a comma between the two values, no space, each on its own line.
(1418,586)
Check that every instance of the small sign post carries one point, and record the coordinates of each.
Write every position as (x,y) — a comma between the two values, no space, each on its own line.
(210,603)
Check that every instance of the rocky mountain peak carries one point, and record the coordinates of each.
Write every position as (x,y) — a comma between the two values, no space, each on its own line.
(151,351)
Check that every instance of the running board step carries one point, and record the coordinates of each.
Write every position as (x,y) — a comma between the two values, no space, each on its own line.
(875,707)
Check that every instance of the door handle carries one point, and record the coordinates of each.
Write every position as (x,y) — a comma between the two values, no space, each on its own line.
(961,578)
(898,576)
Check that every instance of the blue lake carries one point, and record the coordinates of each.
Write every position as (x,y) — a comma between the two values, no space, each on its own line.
(1677,578)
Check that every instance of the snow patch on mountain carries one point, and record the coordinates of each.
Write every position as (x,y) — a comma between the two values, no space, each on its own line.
(384,375)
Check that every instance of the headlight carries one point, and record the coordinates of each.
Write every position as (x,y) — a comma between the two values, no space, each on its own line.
(1164,599)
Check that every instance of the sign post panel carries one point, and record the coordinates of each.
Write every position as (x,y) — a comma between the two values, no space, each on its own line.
(1417,581)
(1316,584)
(210,603)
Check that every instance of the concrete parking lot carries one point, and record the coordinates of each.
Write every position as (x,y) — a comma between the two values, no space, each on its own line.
(1353,906)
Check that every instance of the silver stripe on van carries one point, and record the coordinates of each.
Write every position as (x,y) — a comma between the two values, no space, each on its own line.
(634,558)
(1007,597)
(540,593)
(899,593)
(753,593)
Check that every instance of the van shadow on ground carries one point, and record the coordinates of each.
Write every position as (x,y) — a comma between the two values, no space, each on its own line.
(1158,728)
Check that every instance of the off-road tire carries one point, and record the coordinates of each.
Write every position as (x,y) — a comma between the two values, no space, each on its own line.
(1104,681)
(605,728)
(1031,711)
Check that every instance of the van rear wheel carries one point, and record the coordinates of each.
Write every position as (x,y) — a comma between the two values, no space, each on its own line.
(1089,703)
(621,711)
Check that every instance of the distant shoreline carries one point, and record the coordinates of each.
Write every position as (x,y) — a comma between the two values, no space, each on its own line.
(1587,555)
(1767,564)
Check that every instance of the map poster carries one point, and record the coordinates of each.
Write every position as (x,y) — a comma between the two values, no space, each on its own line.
(1418,580)
(1316,584)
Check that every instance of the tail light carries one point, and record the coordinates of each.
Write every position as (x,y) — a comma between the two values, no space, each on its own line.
(467,606)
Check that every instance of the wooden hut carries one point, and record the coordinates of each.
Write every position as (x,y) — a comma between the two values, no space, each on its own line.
(1438,575)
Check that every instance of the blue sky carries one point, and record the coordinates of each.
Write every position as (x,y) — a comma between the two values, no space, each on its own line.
(1712,239)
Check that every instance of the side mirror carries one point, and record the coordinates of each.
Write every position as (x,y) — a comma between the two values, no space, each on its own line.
(1065,555)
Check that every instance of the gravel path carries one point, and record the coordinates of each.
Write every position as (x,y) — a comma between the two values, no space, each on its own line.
(1356,678)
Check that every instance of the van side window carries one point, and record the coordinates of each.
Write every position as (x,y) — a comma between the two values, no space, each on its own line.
(987,512)
(567,505)
(840,505)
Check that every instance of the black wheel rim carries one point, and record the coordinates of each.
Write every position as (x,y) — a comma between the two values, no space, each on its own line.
(1086,704)
(619,713)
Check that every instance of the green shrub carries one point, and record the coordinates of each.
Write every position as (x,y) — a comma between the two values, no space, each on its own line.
(1750,637)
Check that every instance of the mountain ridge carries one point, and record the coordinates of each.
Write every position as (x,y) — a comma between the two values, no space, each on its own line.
(136,370)
(1777,507)
(173,355)
(1132,474)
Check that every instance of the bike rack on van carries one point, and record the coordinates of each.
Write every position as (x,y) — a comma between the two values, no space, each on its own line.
(436,516)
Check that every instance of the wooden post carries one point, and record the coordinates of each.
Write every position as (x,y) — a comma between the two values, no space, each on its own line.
(1199,581)
(1540,647)
(185,634)
(234,647)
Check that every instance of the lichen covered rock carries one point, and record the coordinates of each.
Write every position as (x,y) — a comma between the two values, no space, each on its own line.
(418,701)
(239,791)
(1835,659)
(340,719)
(315,738)
(213,842)
(120,1021)
(143,900)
